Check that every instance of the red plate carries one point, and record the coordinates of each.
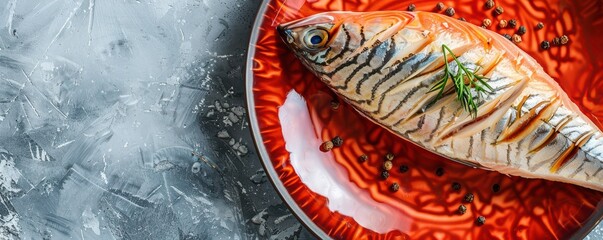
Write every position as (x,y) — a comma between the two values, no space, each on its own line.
(425,206)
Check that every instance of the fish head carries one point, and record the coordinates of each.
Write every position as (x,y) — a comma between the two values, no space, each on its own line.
(327,40)
(314,34)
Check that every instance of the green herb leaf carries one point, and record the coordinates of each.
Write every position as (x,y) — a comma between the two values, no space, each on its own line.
(463,81)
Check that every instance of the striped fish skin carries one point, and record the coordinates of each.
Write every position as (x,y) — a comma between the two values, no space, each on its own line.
(385,63)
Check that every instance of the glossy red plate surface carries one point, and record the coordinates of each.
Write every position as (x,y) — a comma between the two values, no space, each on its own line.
(522,209)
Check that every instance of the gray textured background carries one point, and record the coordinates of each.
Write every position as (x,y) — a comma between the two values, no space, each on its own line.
(102,103)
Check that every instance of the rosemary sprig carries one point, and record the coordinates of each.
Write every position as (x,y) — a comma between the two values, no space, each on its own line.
(463,80)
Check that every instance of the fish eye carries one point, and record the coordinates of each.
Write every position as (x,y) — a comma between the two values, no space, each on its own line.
(316,38)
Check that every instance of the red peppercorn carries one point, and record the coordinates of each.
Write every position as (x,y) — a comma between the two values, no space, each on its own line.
(486,22)
(387,165)
(326,146)
(502,23)
(564,39)
(516,38)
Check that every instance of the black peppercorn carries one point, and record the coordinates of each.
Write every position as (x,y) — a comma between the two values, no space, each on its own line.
(522,30)
(384,174)
(462,209)
(439,172)
(489,4)
(556,41)
(450,11)
(456,186)
(403,168)
(462,19)
(337,141)
(499,10)
(394,187)
(545,45)
(540,25)
(468,197)
(411,7)
(363,158)
(507,36)
(480,220)
(440,6)
(495,188)
(512,23)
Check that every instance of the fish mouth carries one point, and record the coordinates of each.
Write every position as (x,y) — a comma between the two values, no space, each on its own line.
(285,33)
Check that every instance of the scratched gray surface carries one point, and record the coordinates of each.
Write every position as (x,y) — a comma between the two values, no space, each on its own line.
(102,103)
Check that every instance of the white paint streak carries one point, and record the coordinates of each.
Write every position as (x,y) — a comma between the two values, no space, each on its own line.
(64,144)
(9,174)
(103,175)
(321,173)
(91,5)
(186,198)
(39,154)
(57,35)
(90,221)
(11,13)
